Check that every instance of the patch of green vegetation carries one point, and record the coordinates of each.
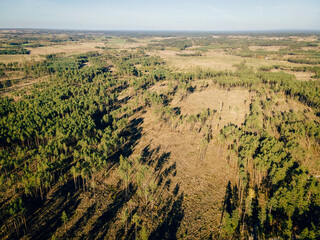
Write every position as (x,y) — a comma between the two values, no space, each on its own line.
(12,51)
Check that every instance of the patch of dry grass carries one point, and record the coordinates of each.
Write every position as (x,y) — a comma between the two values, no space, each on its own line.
(17,58)
(231,106)
(312,38)
(202,181)
(160,87)
(123,44)
(266,48)
(301,76)
(72,48)
(39,52)
(213,59)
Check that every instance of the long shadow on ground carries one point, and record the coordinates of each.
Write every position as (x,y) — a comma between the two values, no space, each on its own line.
(47,219)
(169,227)
(103,223)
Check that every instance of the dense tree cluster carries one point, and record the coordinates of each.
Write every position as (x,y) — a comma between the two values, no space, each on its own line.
(13,51)
(275,195)
(66,121)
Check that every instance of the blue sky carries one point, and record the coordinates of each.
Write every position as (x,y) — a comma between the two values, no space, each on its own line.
(197,15)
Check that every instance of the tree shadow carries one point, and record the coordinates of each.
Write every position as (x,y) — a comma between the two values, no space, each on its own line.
(103,223)
(80,224)
(171,206)
(146,154)
(157,162)
(169,227)
(133,133)
(161,161)
(163,175)
(45,219)
(119,88)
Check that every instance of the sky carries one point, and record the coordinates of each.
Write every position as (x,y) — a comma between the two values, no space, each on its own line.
(181,15)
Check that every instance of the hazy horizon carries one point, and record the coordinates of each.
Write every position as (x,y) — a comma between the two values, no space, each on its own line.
(142,15)
(166,30)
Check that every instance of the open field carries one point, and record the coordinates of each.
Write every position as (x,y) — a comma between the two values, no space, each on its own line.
(215,60)
(68,48)
(266,48)
(39,52)
(231,106)
(122,44)
(78,47)
(17,58)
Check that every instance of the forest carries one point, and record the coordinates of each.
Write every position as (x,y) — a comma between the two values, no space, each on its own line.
(159,135)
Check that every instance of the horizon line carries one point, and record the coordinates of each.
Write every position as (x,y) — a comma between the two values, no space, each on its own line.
(290,30)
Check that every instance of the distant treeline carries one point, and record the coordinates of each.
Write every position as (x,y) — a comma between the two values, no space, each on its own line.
(14,51)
